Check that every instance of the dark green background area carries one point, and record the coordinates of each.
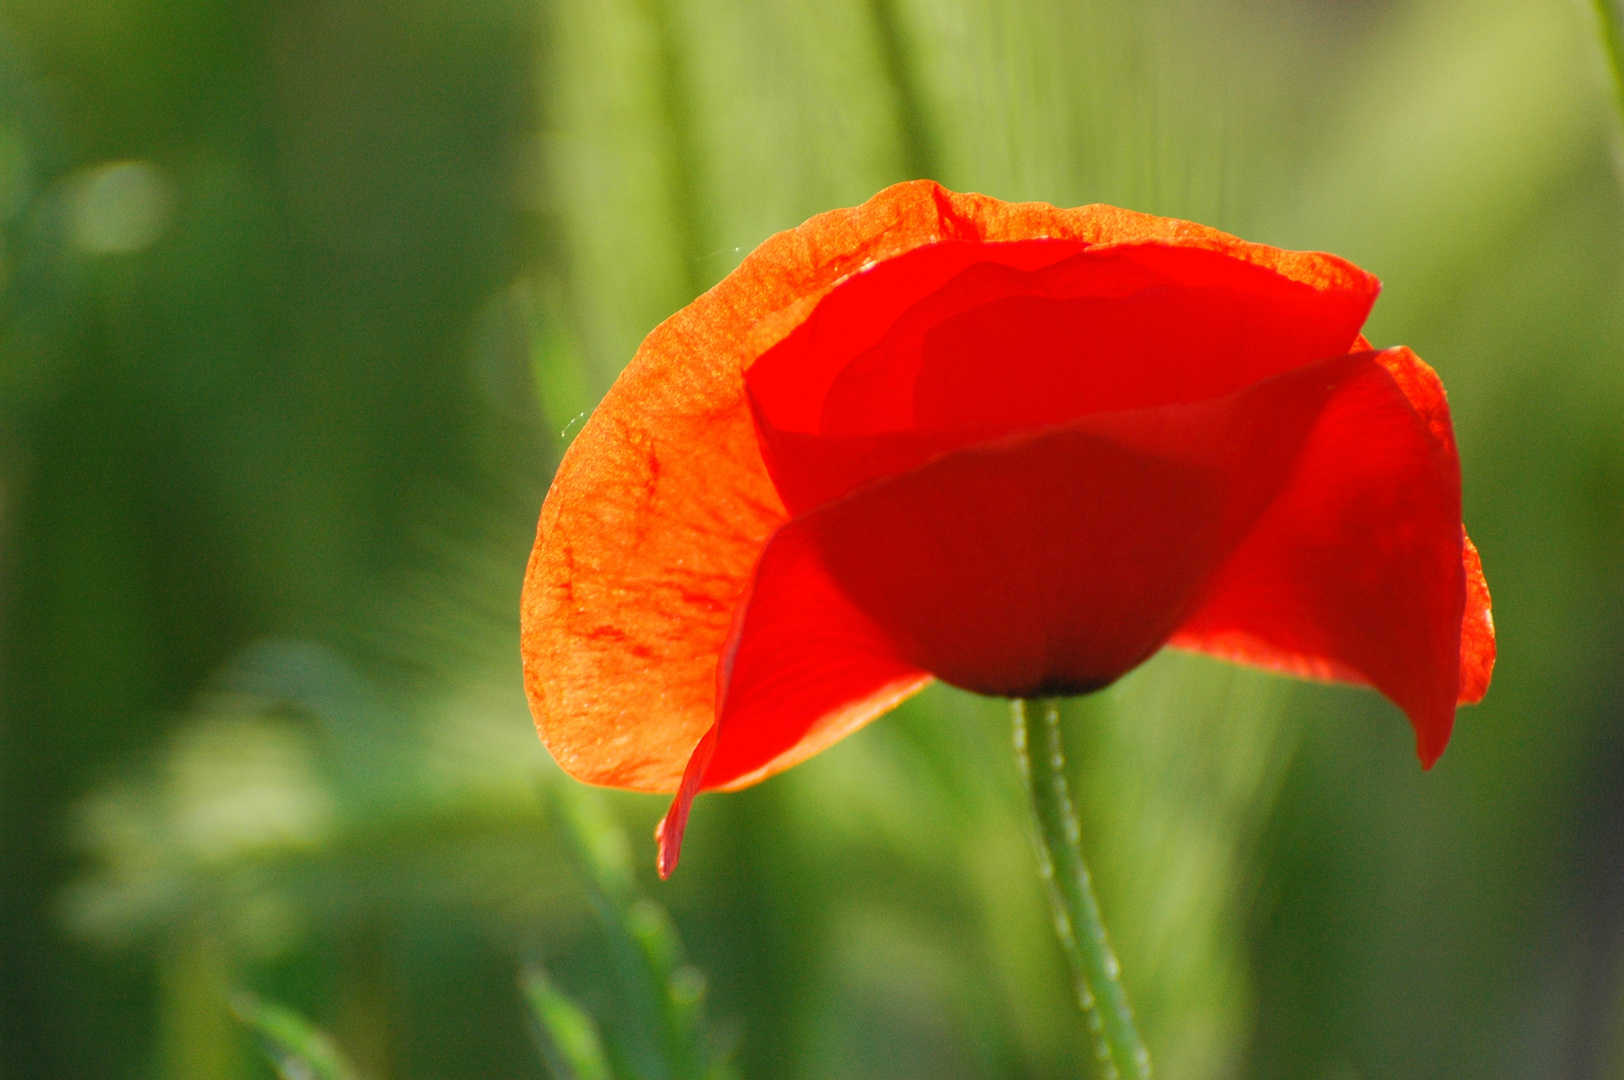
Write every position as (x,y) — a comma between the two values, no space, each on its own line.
(300,300)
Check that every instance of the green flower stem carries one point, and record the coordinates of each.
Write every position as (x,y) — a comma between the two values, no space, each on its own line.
(1076,912)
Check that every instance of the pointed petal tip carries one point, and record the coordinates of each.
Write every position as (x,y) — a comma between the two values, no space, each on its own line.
(668,834)
(1431,742)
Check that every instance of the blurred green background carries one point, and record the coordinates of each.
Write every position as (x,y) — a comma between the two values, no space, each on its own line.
(302,299)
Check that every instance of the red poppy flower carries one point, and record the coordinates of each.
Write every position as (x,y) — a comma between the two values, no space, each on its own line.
(1016,448)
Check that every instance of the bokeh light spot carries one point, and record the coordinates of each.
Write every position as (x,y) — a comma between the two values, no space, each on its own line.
(119,207)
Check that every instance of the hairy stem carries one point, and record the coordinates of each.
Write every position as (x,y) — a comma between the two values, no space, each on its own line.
(1042,761)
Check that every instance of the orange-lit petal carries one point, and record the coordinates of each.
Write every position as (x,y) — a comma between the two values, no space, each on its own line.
(661,505)
(1477,645)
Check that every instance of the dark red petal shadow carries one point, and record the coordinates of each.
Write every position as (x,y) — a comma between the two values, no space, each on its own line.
(1051,562)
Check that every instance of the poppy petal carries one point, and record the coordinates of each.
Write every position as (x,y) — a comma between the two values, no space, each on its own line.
(1001,347)
(803,668)
(663,503)
(1096,332)
(1477,644)
(875,322)
(1054,561)
(792,379)
(1425,392)
(1357,570)
(1050,561)
(646,543)
(1043,564)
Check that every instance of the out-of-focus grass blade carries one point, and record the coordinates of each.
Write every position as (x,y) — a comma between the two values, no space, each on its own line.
(679,986)
(595,841)
(1610,22)
(298,1049)
(663,995)
(566,1034)
(597,846)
